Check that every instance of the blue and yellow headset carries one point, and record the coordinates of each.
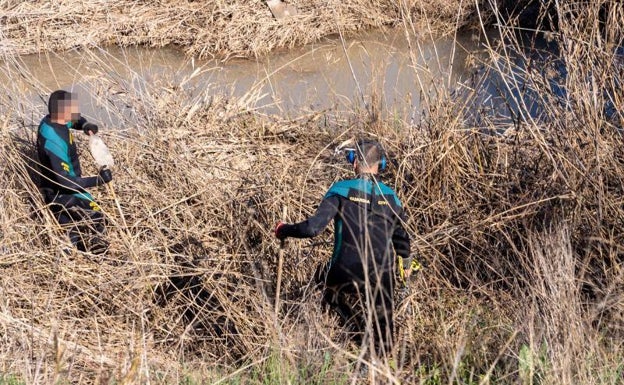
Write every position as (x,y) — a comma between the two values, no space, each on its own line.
(352,153)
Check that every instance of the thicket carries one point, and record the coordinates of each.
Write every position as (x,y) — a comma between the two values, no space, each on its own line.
(519,226)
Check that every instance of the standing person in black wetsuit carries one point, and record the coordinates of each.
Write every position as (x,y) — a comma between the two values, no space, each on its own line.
(62,183)
(368,219)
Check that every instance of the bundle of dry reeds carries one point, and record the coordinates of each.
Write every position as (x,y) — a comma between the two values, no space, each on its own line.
(520,233)
(204,28)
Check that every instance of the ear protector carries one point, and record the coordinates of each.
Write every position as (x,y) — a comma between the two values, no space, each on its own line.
(352,154)
(383,162)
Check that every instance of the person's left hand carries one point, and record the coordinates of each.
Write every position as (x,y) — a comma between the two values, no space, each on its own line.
(105,175)
(90,128)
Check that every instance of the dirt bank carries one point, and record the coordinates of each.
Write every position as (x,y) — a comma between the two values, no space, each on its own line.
(521,233)
(206,28)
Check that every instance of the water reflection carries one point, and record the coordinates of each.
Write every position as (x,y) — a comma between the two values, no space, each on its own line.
(397,74)
(383,70)
(526,77)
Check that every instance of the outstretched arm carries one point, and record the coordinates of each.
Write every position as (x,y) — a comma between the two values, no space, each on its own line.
(313,225)
(83,125)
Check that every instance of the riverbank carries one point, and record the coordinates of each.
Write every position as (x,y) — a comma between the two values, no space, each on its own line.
(208,29)
(520,234)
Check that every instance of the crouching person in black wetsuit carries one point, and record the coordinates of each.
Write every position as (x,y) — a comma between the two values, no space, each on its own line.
(62,183)
(368,221)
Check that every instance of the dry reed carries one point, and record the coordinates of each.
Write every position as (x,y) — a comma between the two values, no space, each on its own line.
(521,233)
(204,28)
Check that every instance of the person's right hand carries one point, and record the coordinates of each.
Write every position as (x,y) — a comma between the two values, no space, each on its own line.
(105,175)
(413,267)
(278,233)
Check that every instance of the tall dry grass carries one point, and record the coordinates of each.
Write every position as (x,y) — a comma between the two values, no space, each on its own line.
(204,28)
(521,234)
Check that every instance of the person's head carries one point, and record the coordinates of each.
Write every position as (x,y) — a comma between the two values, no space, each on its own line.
(63,107)
(367,157)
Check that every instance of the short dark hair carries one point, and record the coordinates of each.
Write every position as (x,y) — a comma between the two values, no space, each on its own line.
(369,152)
(56,98)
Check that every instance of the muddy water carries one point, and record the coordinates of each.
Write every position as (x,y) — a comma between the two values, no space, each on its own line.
(384,68)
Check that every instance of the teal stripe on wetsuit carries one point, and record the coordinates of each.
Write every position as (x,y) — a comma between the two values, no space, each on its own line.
(59,147)
(56,145)
(342,189)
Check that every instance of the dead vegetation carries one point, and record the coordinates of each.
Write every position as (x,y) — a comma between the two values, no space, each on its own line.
(521,234)
(221,29)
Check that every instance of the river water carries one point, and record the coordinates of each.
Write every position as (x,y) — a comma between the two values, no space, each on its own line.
(396,73)
(385,70)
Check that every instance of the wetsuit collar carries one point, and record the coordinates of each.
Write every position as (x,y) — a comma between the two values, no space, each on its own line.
(367,176)
(48,119)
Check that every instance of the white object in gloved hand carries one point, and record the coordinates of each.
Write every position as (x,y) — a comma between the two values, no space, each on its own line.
(100,152)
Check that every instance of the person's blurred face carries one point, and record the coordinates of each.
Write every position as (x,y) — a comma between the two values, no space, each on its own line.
(69,110)
(73,108)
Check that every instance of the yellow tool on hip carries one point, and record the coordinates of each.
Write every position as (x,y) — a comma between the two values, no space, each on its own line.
(414,266)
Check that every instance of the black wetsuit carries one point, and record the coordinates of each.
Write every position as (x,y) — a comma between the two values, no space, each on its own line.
(62,183)
(368,219)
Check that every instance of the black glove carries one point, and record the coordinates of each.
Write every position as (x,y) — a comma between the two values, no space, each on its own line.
(105,175)
(90,127)
(279,231)
(78,124)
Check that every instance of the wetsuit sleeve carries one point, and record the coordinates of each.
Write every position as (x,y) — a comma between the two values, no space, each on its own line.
(315,224)
(401,241)
(79,125)
(85,126)
(62,166)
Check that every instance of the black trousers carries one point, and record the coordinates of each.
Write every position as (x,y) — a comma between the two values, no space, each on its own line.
(366,309)
(81,217)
